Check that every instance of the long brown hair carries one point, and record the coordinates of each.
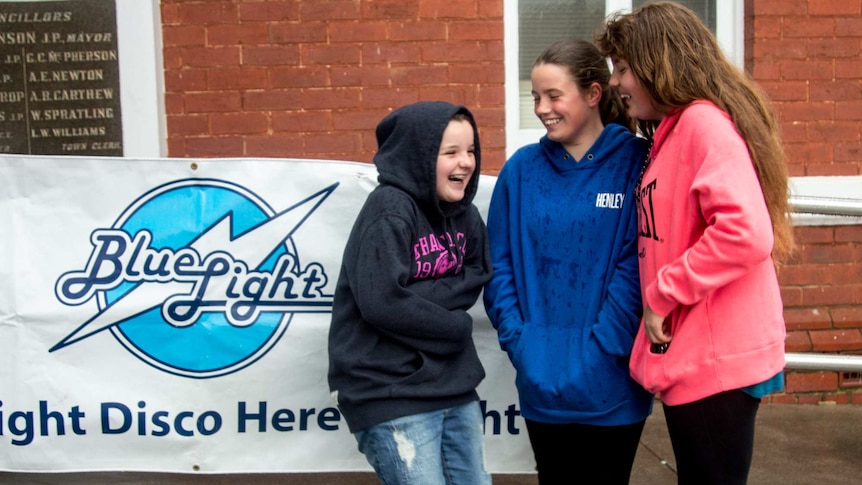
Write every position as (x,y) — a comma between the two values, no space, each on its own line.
(586,65)
(677,60)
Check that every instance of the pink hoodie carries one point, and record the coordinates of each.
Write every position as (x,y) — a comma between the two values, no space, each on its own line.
(704,246)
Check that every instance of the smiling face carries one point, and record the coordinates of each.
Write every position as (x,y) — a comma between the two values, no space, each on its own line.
(569,114)
(638,102)
(456,161)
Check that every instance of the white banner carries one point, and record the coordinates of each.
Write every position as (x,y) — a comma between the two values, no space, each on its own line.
(138,331)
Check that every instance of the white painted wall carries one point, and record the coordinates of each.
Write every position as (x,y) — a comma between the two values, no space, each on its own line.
(142,91)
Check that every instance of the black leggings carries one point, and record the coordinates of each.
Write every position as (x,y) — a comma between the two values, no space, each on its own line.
(713,438)
(580,453)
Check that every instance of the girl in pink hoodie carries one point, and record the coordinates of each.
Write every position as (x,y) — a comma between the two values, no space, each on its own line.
(712,218)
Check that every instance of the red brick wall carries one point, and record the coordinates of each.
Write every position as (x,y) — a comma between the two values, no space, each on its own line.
(807,54)
(822,291)
(311,79)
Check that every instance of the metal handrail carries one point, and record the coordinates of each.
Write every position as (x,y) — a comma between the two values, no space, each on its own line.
(819,361)
(833,206)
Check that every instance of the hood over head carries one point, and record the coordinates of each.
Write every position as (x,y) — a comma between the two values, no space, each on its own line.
(408,141)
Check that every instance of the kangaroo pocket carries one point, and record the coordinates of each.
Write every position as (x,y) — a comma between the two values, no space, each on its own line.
(647,368)
(691,351)
(563,371)
(439,378)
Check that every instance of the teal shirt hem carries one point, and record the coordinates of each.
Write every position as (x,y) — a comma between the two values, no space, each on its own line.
(773,384)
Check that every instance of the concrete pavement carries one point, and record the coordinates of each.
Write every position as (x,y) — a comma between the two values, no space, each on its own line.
(794,445)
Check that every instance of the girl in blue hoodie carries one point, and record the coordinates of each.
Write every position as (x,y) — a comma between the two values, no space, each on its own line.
(565,296)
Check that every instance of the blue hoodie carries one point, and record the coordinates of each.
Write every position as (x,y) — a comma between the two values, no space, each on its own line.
(565,296)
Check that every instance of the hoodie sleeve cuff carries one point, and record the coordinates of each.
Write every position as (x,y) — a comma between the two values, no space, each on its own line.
(658,303)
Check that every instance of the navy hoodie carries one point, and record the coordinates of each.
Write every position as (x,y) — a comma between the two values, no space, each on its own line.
(400,340)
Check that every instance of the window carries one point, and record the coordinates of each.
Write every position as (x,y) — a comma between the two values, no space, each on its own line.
(531,25)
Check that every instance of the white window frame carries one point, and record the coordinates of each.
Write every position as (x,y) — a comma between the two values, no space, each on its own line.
(730,32)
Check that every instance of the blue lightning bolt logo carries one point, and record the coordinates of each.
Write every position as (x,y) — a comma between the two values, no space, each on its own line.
(198,264)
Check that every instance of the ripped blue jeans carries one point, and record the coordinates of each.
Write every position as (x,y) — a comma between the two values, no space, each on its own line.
(436,448)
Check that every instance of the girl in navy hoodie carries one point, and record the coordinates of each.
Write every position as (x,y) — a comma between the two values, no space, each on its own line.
(564,296)
(402,363)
